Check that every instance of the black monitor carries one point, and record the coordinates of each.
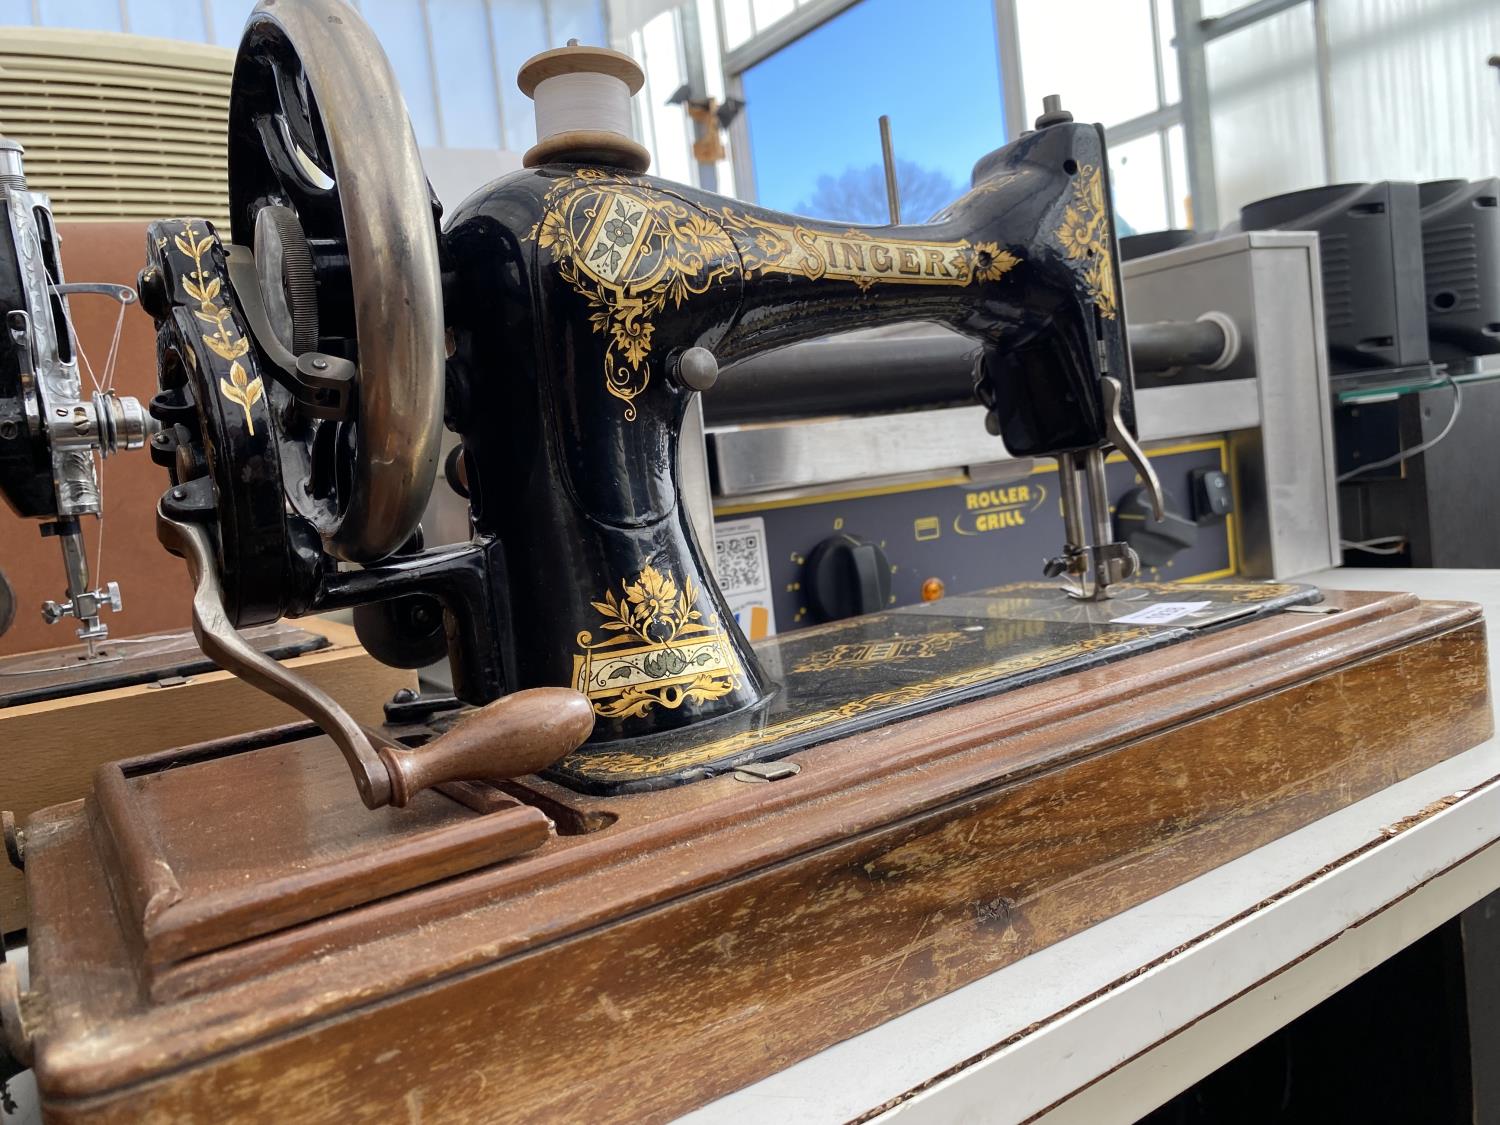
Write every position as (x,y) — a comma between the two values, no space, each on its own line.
(1461,267)
(1369,239)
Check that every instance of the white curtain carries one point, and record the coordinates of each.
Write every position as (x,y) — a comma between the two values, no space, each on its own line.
(1411,93)
(1263,98)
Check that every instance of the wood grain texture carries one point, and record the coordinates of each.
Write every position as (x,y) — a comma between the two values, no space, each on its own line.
(185,894)
(719,932)
(50,750)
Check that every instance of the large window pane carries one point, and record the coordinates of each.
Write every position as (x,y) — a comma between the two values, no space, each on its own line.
(1182,200)
(812,110)
(520,32)
(1263,99)
(466,76)
(403,34)
(768,12)
(1139,183)
(670,136)
(15,13)
(582,20)
(90,15)
(1097,54)
(229,20)
(737,23)
(168,19)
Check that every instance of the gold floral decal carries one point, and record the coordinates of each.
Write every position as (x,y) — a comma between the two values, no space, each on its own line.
(626,765)
(223,341)
(661,653)
(629,249)
(897,650)
(628,253)
(653,602)
(991,263)
(1085,234)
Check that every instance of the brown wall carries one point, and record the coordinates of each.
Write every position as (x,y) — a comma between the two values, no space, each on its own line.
(154,585)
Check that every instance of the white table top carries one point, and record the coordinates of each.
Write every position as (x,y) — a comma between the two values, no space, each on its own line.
(1109,1023)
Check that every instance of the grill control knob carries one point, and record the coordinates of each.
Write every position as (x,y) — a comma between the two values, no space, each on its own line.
(845,577)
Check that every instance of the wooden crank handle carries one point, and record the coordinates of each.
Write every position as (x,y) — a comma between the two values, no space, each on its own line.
(511,737)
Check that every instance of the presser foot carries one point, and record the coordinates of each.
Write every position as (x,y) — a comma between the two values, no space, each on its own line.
(1092,563)
(1101,571)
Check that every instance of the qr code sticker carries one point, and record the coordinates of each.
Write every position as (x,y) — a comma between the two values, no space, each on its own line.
(740,567)
(740,556)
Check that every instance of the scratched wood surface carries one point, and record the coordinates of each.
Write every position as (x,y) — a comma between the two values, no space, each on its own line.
(714,934)
(50,750)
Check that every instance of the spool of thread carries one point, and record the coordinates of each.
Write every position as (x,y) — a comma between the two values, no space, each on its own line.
(582,102)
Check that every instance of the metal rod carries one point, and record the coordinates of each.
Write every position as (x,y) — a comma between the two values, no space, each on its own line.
(1103,533)
(888,155)
(1243,17)
(1197,130)
(840,376)
(1169,344)
(1012,83)
(1070,492)
(690,39)
(1325,91)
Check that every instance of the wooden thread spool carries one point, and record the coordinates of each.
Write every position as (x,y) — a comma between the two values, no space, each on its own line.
(582,97)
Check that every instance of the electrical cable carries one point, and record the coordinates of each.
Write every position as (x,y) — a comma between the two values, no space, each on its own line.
(1373,547)
(1405,454)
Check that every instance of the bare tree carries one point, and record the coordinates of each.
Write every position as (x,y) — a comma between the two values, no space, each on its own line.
(857,195)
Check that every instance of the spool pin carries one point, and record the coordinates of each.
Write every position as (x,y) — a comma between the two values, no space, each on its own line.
(582,102)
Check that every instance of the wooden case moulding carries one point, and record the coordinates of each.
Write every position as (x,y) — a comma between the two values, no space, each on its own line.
(51,748)
(664,948)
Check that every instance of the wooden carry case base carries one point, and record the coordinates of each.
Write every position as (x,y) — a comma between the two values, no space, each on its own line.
(49,749)
(665,948)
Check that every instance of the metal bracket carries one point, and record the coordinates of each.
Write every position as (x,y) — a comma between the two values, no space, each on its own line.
(122,293)
(766,771)
(323,385)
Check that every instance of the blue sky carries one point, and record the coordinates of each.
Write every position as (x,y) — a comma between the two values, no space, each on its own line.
(933,66)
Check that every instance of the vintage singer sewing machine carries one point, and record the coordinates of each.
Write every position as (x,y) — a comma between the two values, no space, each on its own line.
(655,862)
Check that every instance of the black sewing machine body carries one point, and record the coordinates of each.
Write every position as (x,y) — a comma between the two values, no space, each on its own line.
(571,293)
(574,290)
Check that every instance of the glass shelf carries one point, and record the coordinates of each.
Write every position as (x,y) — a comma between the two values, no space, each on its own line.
(1381,386)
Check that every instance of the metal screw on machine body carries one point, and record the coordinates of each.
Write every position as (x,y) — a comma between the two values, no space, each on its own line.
(696,369)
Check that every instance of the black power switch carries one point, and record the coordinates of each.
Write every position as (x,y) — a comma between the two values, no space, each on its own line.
(1154,541)
(1212,497)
